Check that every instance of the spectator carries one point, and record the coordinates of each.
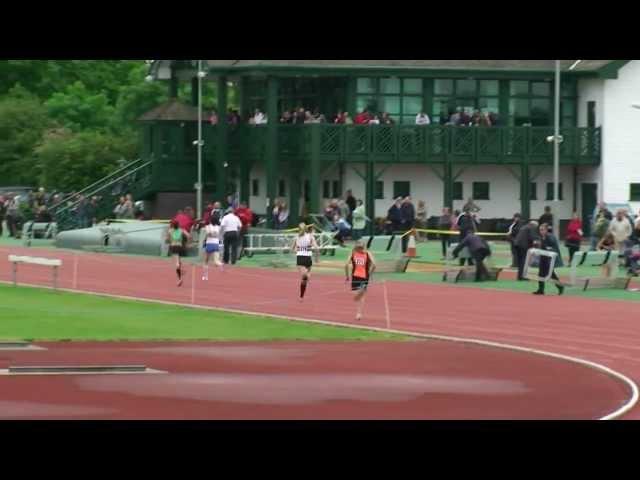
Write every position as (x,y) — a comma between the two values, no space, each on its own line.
(514,228)
(359,220)
(127,210)
(43,215)
(455,118)
(244,213)
(362,118)
(547,217)
(350,200)
(207,215)
(445,222)
(386,119)
(92,211)
(259,118)
(13,215)
(421,219)
(231,226)
(600,225)
(573,237)
(607,243)
(286,117)
(3,212)
(81,212)
(299,116)
(343,209)
(470,207)
(347,119)
(493,118)
(40,198)
(283,216)
(479,250)
(620,228)
(117,211)
(525,239)
(374,121)
(343,228)
(217,210)
(422,119)
(340,118)
(185,219)
(394,216)
(213,118)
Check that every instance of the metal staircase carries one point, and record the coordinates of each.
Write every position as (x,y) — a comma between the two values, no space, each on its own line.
(134,178)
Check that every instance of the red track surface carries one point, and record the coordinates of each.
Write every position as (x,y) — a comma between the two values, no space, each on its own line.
(606,332)
(363,380)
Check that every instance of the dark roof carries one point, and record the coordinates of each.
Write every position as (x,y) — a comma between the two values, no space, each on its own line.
(490,65)
(173,110)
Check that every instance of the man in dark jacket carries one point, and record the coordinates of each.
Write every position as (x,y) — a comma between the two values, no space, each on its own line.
(394,216)
(479,250)
(525,240)
(546,242)
(466,223)
(514,228)
(547,217)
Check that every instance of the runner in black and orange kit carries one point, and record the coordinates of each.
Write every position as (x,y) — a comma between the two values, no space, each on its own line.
(362,266)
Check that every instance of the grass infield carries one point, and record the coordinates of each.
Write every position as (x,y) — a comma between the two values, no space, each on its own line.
(38,314)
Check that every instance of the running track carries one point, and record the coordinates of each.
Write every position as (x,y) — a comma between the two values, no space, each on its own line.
(601,331)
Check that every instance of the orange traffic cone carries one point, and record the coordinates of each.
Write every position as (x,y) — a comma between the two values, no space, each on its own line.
(411,247)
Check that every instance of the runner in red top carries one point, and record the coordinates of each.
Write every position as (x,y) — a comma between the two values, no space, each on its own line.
(362,266)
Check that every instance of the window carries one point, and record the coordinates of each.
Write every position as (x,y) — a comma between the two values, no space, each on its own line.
(401,189)
(255,187)
(550,191)
(282,188)
(379,193)
(326,192)
(481,190)
(336,189)
(533,191)
(401,98)
(530,103)
(634,192)
(467,94)
(458,193)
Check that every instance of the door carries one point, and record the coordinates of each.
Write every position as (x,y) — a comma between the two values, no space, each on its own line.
(589,201)
(591,114)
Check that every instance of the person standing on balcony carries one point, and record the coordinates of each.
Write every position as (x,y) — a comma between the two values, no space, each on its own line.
(362,118)
(259,118)
(386,119)
(340,117)
(423,119)
(347,119)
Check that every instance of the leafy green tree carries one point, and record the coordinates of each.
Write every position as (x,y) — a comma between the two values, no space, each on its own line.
(77,108)
(70,161)
(23,121)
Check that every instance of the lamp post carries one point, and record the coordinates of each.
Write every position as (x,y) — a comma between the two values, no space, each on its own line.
(200,143)
(556,152)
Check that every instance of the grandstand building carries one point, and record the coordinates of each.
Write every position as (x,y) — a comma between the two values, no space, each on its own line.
(505,168)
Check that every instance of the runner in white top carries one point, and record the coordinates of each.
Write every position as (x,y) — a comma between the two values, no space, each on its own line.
(211,246)
(304,245)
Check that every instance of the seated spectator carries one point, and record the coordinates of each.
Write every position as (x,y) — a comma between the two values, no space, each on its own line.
(375,120)
(362,118)
(343,228)
(259,118)
(347,119)
(386,119)
(422,119)
(213,118)
(287,117)
(340,117)
(493,118)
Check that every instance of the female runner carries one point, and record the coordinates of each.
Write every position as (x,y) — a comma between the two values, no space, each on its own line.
(304,245)
(211,245)
(177,240)
(362,266)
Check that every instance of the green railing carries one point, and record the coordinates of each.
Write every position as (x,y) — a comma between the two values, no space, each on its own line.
(414,143)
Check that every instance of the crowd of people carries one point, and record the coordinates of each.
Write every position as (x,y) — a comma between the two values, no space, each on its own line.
(18,208)
(302,115)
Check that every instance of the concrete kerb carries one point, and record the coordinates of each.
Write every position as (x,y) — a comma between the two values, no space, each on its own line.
(633,400)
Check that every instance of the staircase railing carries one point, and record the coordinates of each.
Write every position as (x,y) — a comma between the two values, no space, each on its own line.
(107,194)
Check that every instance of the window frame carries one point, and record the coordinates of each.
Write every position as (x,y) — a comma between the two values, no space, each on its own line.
(461,193)
(474,192)
(378,193)
(549,193)
(396,184)
(255,187)
(636,197)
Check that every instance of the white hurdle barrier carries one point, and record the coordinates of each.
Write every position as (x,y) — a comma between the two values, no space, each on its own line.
(46,262)
(533,252)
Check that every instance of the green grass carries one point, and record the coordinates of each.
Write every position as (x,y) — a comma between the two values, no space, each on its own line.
(39,314)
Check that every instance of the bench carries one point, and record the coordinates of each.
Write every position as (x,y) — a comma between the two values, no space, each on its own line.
(46,262)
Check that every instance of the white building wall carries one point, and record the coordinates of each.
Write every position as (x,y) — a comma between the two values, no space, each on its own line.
(621,135)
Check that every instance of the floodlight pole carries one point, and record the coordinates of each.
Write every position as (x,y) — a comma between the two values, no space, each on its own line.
(556,152)
(199,184)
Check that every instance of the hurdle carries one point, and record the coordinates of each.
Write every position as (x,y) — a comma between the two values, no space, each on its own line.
(533,255)
(597,259)
(46,262)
